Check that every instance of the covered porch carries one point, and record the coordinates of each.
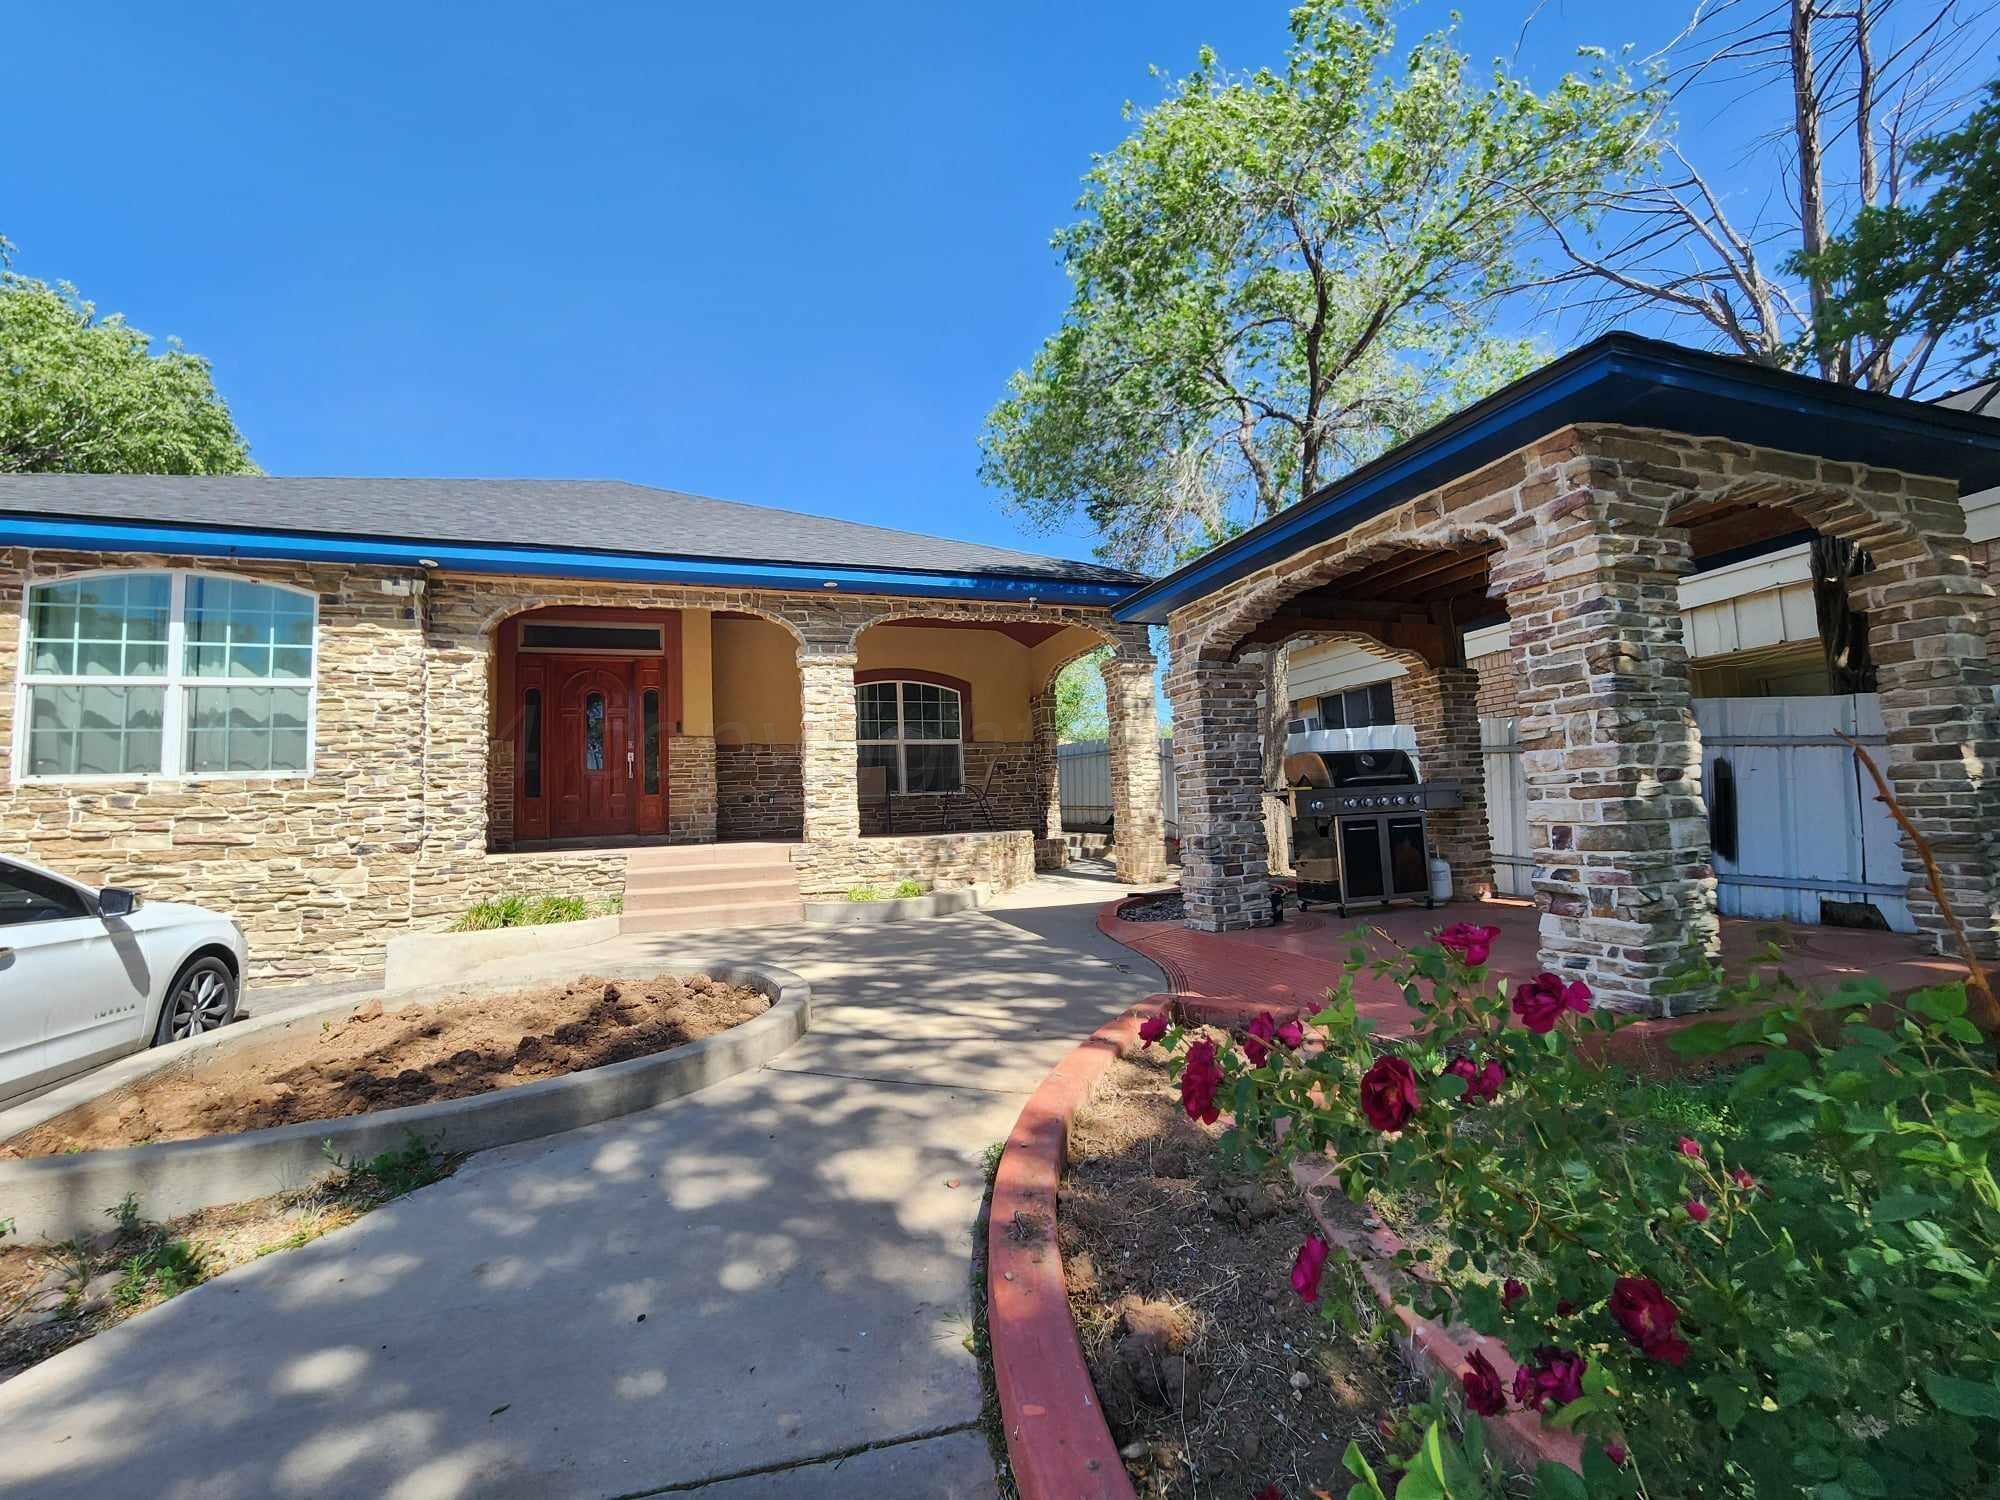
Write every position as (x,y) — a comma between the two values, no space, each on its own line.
(879,740)
(1563,511)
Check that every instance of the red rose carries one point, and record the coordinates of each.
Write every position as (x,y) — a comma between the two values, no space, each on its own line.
(1153,1028)
(1511,1291)
(1541,1001)
(1389,1094)
(1472,944)
(1697,1210)
(1743,1180)
(1556,1375)
(1648,1318)
(1256,1045)
(1482,1084)
(1564,1307)
(1690,1147)
(1305,1270)
(1483,1391)
(1616,1453)
(1199,1081)
(1293,1033)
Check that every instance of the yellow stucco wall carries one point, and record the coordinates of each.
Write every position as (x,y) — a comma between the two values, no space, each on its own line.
(996,668)
(697,680)
(756,683)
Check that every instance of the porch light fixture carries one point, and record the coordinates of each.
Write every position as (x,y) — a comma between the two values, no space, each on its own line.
(427,562)
(829,584)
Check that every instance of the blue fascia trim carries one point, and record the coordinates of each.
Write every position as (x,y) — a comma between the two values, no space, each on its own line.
(201,541)
(1609,384)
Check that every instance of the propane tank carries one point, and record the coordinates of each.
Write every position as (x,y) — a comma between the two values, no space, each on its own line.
(1440,880)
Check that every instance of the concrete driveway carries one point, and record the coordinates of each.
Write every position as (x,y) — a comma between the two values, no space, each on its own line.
(759,1291)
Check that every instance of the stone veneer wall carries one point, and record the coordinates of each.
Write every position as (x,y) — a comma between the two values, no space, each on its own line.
(758,792)
(832,868)
(392,830)
(1499,688)
(691,789)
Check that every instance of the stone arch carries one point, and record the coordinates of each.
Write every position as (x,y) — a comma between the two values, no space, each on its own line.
(1225,635)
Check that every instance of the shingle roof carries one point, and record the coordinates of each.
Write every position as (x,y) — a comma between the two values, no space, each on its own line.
(603,514)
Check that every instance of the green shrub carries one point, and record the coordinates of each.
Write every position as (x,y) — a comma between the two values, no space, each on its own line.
(530,911)
(1776,1282)
(905,889)
(862,893)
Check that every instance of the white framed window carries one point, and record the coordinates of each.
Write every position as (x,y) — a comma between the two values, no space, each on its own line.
(165,673)
(915,731)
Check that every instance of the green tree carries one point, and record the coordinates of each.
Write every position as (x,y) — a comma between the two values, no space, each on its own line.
(1277,275)
(1080,709)
(80,394)
(1924,279)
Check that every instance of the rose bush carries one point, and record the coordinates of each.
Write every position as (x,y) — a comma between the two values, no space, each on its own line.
(1775,1280)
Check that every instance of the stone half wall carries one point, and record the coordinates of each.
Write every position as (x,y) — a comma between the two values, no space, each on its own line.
(1016,796)
(759,792)
(941,861)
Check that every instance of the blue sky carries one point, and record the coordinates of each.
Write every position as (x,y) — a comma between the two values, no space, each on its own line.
(779,253)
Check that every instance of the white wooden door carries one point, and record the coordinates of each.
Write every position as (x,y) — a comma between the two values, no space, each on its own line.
(1507,807)
(1808,824)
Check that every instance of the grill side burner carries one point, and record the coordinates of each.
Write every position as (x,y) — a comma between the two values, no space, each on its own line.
(1360,834)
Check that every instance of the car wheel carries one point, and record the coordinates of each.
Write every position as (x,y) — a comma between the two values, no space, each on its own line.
(201,998)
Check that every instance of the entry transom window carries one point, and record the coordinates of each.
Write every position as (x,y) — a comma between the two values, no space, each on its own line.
(913,730)
(166,674)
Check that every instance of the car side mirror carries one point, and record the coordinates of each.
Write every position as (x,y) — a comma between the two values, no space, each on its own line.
(116,901)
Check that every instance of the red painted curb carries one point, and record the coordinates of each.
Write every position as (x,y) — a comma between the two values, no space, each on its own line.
(1057,1440)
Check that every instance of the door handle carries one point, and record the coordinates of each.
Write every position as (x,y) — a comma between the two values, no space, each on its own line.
(628,764)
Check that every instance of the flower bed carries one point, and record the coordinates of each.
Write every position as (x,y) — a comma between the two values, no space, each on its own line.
(1797,1302)
(1210,1374)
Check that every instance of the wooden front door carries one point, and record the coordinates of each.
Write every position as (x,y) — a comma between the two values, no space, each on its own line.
(592,749)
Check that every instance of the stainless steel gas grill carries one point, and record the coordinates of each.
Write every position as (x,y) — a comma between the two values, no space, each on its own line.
(1360,825)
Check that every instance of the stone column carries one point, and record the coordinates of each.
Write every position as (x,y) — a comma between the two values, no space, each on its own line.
(1610,751)
(1442,705)
(1219,775)
(827,756)
(1138,842)
(1928,616)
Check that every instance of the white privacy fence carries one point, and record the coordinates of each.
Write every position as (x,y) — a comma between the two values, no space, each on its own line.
(1084,769)
(1808,826)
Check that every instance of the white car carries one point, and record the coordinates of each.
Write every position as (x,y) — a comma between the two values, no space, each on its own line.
(89,975)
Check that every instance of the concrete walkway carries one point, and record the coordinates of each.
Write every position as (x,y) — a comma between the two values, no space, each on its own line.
(762,1290)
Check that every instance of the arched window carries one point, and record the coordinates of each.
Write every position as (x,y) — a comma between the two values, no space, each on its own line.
(913,729)
(165,673)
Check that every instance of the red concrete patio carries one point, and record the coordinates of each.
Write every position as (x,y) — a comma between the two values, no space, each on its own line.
(1233,975)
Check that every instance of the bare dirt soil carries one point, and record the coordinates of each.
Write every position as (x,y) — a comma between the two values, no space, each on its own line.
(1216,1378)
(371,1059)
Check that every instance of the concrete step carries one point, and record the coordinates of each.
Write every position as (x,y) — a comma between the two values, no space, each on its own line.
(755,893)
(707,918)
(706,856)
(710,877)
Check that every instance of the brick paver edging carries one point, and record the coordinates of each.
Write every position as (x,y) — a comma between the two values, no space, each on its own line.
(1057,1440)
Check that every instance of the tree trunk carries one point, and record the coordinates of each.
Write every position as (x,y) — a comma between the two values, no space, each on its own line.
(1812,204)
(1277,712)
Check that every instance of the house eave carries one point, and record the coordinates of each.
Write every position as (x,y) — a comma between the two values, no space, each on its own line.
(73,534)
(1618,380)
